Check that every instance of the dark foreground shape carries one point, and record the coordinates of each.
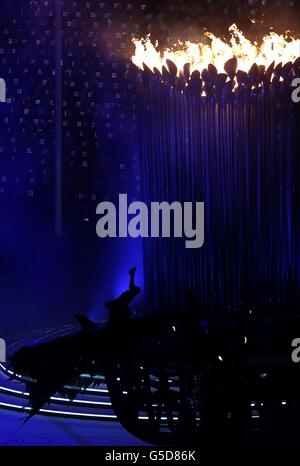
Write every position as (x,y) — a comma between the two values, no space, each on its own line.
(179,378)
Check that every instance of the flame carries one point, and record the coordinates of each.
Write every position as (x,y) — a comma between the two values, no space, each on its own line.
(274,47)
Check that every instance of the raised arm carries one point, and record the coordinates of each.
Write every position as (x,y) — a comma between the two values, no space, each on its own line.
(131,282)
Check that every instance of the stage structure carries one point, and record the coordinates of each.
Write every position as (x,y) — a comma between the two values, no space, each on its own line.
(229,137)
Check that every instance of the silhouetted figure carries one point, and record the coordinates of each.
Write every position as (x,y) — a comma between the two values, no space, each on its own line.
(193,331)
(119,311)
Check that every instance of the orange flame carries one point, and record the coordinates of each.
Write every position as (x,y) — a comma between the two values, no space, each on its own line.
(274,47)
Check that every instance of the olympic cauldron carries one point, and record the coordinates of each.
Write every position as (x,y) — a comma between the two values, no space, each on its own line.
(230,138)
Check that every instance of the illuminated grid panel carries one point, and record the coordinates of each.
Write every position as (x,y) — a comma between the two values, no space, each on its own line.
(26,137)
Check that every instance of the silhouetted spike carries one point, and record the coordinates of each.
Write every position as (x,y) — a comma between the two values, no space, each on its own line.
(181,81)
(228,87)
(172,68)
(241,77)
(269,71)
(165,72)
(254,73)
(277,70)
(248,83)
(261,69)
(195,75)
(209,90)
(187,70)
(231,66)
(205,76)
(146,74)
(213,72)
(157,72)
(275,80)
(147,69)
(220,82)
(195,83)
(286,70)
